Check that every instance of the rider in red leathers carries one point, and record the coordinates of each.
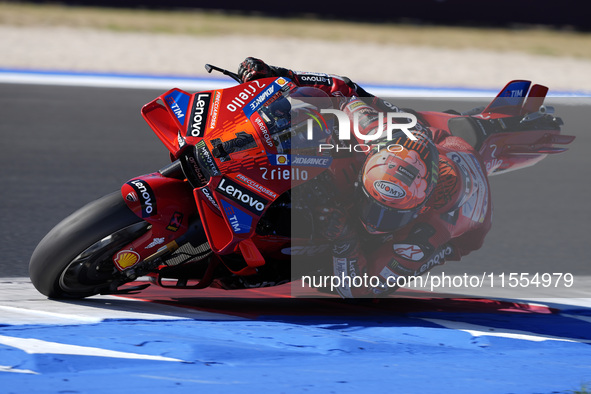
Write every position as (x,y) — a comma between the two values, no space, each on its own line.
(414,208)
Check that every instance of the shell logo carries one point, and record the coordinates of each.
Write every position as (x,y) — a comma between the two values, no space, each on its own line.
(281,159)
(126,258)
(281,81)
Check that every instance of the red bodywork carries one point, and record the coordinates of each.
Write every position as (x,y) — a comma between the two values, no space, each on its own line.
(218,115)
(208,119)
(512,150)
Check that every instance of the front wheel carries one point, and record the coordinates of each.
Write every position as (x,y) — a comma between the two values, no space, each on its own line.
(74,260)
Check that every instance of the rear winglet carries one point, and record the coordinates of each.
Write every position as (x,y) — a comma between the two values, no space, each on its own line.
(510,99)
(535,99)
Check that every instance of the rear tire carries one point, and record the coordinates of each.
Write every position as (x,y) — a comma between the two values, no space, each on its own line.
(74,260)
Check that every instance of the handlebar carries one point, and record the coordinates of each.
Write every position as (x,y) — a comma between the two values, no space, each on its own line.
(209,68)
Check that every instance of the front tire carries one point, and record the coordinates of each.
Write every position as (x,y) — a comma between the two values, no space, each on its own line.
(74,260)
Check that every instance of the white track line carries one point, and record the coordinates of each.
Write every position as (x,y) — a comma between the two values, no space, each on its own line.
(204,83)
(478,331)
(41,314)
(6,368)
(38,346)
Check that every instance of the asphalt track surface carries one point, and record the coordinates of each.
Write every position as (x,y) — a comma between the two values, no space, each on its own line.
(65,146)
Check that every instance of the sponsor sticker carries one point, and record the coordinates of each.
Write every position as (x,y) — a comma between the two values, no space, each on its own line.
(255,186)
(284,174)
(409,252)
(155,242)
(281,81)
(199,113)
(126,258)
(399,269)
(175,222)
(146,197)
(437,259)
(314,79)
(264,132)
(270,91)
(131,196)
(407,174)
(389,190)
(206,160)
(207,193)
(240,221)
(311,161)
(242,196)
(512,95)
(181,140)
(215,109)
(279,160)
(178,102)
(244,95)
(196,176)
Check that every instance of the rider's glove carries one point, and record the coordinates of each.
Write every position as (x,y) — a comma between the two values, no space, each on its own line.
(252,68)
(332,223)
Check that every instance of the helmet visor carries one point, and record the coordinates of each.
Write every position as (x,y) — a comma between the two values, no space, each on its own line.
(378,218)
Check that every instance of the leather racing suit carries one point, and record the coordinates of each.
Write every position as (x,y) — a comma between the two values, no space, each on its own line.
(453,223)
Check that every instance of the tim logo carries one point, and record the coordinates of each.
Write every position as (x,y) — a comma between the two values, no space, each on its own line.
(513,93)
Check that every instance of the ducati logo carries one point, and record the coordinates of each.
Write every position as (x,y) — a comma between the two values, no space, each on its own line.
(131,197)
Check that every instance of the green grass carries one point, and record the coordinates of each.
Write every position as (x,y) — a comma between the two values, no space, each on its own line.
(536,41)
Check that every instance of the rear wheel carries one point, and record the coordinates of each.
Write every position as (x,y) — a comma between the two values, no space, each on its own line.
(74,260)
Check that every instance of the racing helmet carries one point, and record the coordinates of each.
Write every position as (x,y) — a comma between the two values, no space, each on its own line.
(396,181)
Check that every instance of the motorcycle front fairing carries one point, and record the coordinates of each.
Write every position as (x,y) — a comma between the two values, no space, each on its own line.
(165,203)
(236,168)
(249,161)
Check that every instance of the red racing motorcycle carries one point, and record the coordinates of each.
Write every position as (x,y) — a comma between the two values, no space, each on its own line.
(221,213)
